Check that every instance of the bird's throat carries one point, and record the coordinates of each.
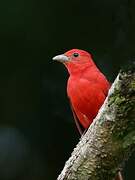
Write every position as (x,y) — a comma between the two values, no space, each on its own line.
(76,68)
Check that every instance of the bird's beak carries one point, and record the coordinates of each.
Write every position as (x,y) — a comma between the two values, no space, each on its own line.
(61,58)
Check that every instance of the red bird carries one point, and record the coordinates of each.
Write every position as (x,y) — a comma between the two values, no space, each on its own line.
(87,87)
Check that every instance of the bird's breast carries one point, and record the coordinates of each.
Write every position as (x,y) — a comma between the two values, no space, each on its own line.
(77,92)
(86,96)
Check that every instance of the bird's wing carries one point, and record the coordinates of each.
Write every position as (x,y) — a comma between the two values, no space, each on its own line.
(94,76)
(86,98)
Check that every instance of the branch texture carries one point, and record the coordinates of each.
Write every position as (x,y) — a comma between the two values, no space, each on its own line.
(110,139)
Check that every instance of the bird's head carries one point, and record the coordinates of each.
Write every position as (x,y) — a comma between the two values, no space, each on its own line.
(75,59)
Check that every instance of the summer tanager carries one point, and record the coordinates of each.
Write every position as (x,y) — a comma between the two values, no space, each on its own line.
(87,87)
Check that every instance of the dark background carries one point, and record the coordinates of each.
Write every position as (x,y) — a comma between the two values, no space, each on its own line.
(37,132)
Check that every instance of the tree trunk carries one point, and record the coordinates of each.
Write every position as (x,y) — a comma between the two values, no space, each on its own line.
(110,139)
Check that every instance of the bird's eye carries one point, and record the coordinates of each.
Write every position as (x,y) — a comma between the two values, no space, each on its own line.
(75,54)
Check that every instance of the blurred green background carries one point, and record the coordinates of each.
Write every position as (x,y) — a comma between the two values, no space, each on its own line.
(37,132)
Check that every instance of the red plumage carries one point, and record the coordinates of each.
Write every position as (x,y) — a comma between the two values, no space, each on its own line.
(87,87)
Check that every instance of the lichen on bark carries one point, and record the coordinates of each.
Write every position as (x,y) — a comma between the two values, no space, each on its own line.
(110,139)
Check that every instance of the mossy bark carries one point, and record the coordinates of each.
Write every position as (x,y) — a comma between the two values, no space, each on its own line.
(110,139)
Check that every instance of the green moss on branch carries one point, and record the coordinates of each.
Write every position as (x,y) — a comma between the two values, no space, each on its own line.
(110,139)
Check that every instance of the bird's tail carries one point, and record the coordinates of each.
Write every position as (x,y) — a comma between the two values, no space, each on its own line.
(119,176)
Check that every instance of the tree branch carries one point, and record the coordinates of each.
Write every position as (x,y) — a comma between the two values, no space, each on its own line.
(110,139)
